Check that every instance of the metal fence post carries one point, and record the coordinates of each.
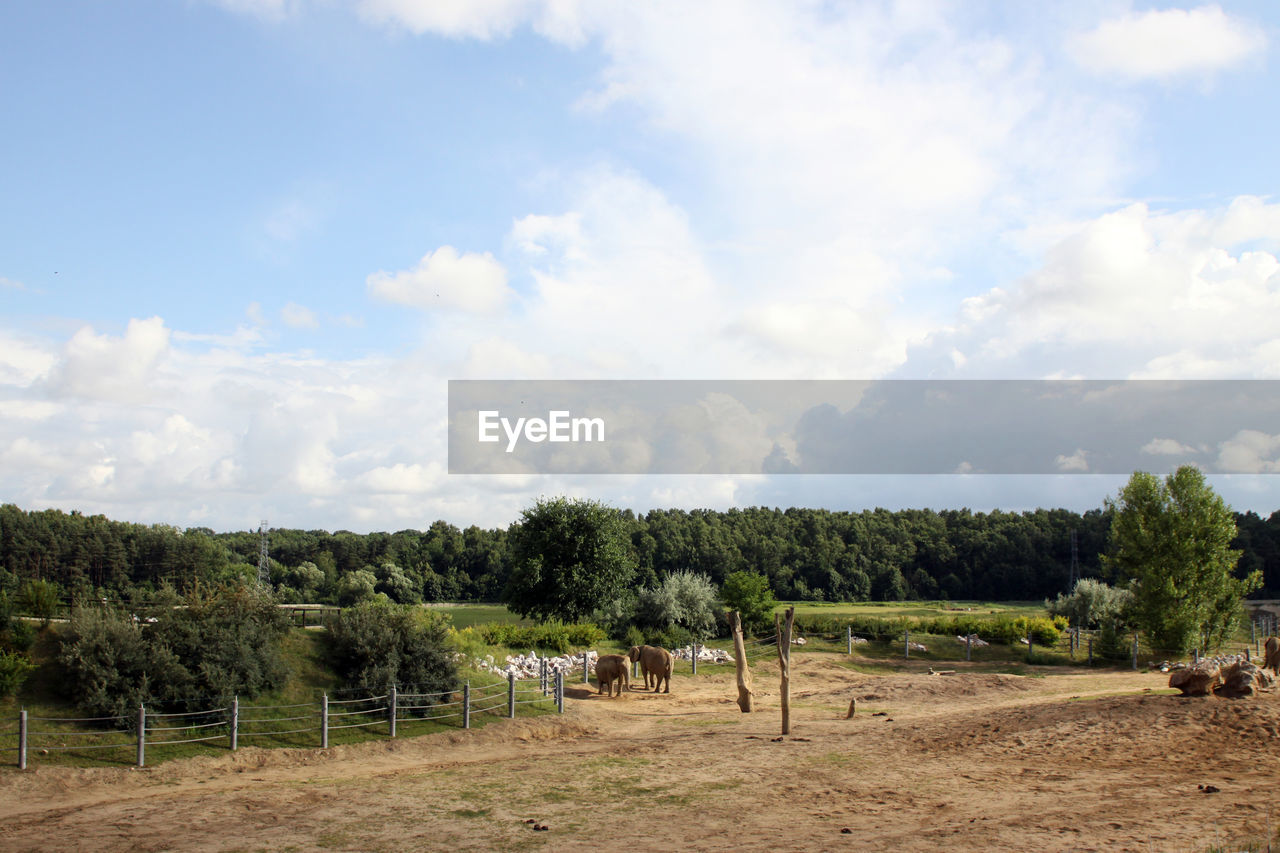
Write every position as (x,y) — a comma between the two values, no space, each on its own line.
(559,691)
(1195,656)
(235,722)
(511,695)
(324,720)
(542,676)
(1030,648)
(391,707)
(694,656)
(22,739)
(585,678)
(968,646)
(848,639)
(142,735)
(906,644)
(466,705)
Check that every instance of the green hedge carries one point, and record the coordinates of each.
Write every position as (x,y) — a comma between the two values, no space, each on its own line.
(555,636)
(994,629)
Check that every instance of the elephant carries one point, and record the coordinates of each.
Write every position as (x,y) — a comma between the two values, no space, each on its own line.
(655,663)
(611,669)
(1272,659)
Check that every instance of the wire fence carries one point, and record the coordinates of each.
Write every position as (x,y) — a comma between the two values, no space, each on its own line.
(297,724)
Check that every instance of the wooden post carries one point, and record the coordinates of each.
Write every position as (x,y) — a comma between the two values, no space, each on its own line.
(324,720)
(235,722)
(1195,656)
(784,664)
(740,655)
(1091,650)
(392,709)
(22,739)
(466,704)
(142,735)
(1029,646)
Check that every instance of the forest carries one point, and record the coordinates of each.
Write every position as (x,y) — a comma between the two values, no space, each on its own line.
(806,554)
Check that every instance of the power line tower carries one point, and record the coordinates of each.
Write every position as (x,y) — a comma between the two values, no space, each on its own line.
(1074,575)
(264,572)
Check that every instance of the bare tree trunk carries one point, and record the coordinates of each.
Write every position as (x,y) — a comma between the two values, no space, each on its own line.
(784,664)
(740,655)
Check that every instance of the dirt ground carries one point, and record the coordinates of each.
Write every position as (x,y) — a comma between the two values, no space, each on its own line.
(1068,760)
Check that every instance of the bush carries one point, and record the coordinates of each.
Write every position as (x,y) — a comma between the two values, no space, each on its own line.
(217,645)
(377,644)
(549,636)
(684,600)
(14,669)
(1091,604)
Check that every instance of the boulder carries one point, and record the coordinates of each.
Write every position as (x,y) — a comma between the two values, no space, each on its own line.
(1243,678)
(1199,680)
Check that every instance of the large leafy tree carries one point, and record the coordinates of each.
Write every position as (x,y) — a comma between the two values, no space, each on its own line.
(1172,540)
(570,556)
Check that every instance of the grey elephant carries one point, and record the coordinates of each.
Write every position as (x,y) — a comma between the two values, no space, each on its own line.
(656,663)
(611,669)
(1272,659)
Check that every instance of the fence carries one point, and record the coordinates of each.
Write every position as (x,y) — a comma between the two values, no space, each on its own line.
(228,725)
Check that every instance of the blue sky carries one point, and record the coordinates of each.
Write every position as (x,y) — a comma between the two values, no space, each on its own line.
(245,244)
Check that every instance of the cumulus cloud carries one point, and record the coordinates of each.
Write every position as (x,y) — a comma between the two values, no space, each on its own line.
(103,367)
(443,279)
(1250,451)
(1168,43)
(1167,447)
(298,316)
(1138,292)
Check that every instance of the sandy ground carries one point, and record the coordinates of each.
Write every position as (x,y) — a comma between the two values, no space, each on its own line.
(1072,760)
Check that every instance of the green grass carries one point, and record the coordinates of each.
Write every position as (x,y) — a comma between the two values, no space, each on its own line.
(913,609)
(466,615)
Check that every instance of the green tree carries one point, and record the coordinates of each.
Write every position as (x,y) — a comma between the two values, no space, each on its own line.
(1172,540)
(749,594)
(570,557)
(376,644)
(39,598)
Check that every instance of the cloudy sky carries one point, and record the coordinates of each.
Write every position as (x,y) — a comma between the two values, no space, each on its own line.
(245,244)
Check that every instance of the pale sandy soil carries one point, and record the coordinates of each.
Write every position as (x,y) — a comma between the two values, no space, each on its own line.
(974,761)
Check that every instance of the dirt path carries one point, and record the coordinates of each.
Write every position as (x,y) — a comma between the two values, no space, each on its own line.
(972,761)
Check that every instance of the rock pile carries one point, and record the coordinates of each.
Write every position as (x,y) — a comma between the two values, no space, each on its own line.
(973,639)
(530,665)
(1228,675)
(705,655)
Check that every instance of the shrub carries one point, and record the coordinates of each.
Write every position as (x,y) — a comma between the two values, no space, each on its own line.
(14,669)
(1091,604)
(216,645)
(376,644)
(683,600)
(553,636)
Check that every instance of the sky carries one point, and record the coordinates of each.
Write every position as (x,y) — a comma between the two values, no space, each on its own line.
(245,244)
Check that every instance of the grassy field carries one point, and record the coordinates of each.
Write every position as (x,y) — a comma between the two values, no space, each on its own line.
(914,609)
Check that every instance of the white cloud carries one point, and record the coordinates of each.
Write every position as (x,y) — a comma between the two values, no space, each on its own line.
(1250,451)
(443,279)
(1076,463)
(1137,293)
(298,316)
(11,284)
(1167,43)
(1166,447)
(102,367)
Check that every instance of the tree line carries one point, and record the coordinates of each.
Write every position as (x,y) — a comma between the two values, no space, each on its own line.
(806,554)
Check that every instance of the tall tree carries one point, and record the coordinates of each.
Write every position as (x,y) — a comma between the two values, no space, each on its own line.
(570,556)
(1172,540)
